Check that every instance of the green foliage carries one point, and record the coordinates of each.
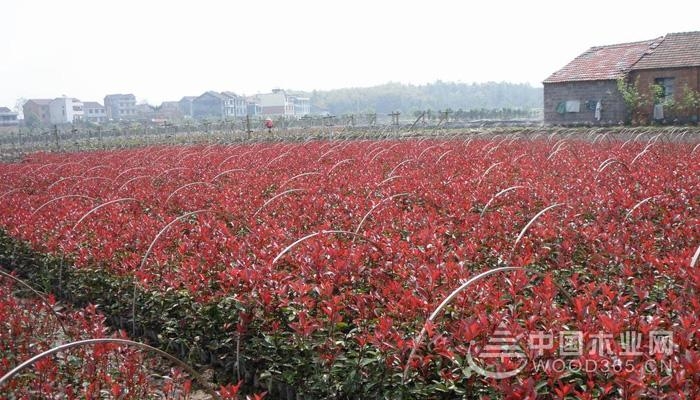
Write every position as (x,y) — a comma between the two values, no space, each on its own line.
(32,121)
(634,100)
(657,93)
(638,102)
(222,334)
(689,101)
(439,95)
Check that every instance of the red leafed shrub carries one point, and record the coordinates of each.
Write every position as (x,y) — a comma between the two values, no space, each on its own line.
(30,328)
(312,267)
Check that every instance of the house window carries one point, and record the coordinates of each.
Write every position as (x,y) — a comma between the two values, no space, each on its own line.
(666,85)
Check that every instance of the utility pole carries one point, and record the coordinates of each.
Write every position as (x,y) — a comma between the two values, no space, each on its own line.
(445,116)
(395,118)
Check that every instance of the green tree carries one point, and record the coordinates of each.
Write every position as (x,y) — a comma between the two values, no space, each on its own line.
(689,102)
(637,101)
(32,121)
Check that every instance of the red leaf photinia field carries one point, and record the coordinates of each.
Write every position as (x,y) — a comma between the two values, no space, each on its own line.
(323,268)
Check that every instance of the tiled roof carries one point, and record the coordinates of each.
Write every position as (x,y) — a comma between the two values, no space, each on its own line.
(127,96)
(676,50)
(5,110)
(92,104)
(603,62)
(41,102)
(213,94)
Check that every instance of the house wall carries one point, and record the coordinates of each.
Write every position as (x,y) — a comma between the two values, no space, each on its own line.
(276,103)
(120,106)
(683,76)
(65,110)
(8,119)
(41,111)
(613,109)
(185,106)
(241,107)
(302,106)
(95,114)
(272,110)
(253,109)
(207,106)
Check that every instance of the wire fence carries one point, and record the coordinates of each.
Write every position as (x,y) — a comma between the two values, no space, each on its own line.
(16,142)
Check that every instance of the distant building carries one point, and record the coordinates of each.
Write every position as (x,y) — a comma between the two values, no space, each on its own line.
(94,112)
(218,105)
(585,90)
(572,94)
(234,105)
(36,111)
(185,105)
(209,105)
(66,110)
(253,107)
(8,117)
(276,104)
(169,110)
(145,111)
(302,105)
(121,107)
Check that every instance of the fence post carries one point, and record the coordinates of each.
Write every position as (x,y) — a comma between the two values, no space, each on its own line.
(55,135)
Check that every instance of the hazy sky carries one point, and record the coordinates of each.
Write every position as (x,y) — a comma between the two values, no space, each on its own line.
(163,50)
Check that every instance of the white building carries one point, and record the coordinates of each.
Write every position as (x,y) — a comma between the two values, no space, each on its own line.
(302,105)
(234,105)
(276,103)
(121,107)
(65,110)
(94,112)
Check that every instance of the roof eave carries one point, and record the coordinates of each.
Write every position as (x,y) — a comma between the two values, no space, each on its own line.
(581,80)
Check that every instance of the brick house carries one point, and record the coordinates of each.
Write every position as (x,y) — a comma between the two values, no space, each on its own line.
(674,65)
(589,82)
(37,112)
(585,90)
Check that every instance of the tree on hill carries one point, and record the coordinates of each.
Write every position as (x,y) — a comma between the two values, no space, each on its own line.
(439,95)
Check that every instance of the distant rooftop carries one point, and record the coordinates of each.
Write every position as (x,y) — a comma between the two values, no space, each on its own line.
(41,102)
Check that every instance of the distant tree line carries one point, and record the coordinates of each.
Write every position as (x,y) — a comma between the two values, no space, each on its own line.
(478,98)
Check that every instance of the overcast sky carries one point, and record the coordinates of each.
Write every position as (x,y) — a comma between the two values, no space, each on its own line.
(163,50)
